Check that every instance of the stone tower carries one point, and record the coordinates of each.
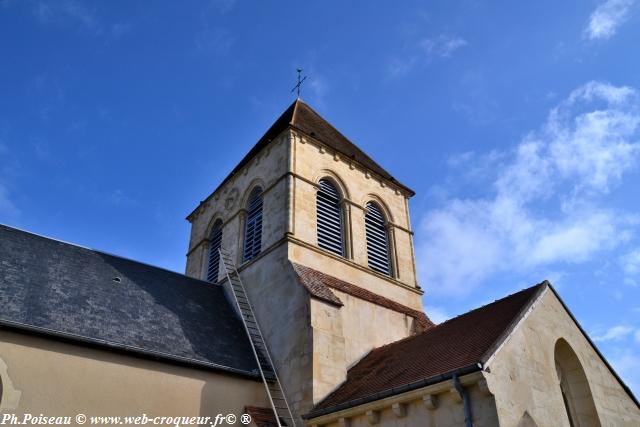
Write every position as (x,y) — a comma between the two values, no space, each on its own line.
(322,239)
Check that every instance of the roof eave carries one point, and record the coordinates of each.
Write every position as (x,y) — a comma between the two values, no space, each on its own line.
(393,391)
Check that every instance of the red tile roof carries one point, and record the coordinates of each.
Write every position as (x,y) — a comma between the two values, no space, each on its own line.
(458,343)
(318,284)
(262,417)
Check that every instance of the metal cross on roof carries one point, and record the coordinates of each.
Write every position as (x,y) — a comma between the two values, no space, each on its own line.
(300,80)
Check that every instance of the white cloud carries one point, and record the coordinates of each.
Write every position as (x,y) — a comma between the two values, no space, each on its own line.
(63,12)
(614,333)
(437,314)
(607,17)
(222,6)
(631,262)
(78,15)
(7,207)
(213,40)
(544,207)
(625,363)
(424,52)
(442,46)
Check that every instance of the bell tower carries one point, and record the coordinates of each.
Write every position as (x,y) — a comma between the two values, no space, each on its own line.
(322,239)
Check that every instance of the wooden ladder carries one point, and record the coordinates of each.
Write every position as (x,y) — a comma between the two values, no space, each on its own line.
(277,398)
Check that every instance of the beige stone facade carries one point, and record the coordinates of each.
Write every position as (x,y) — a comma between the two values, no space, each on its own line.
(321,341)
(519,385)
(539,364)
(438,405)
(314,343)
(44,376)
(524,379)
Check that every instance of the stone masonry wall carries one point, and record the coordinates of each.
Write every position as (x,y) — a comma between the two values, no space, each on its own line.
(523,374)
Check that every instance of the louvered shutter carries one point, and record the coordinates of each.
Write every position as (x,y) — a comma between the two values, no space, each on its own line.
(329,213)
(253,229)
(377,239)
(215,240)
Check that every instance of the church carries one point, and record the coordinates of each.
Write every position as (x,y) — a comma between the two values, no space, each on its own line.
(299,306)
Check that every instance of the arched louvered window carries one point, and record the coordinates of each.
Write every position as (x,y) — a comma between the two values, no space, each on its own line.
(329,213)
(253,229)
(215,240)
(377,239)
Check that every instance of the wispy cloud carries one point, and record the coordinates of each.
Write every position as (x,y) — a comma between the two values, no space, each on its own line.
(625,362)
(546,205)
(214,40)
(7,205)
(76,14)
(607,17)
(437,314)
(67,12)
(222,6)
(631,262)
(631,266)
(424,52)
(442,46)
(615,333)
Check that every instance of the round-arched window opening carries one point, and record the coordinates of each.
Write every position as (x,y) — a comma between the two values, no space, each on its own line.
(253,226)
(574,387)
(215,242)
(329,218)
(377,239)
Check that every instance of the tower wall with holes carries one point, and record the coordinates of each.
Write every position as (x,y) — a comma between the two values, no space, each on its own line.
(280,304)
(266,170)
(344,334)
(313,161)
(313,342)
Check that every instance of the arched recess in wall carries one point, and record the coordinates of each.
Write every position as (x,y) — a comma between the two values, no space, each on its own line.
(330,218)
(574,387)
(215,241)
(1,391)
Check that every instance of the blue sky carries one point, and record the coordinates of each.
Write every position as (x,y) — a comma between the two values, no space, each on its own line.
(518,125)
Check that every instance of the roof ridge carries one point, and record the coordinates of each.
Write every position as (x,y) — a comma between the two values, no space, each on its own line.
(98,251)
(435,327)
(458,344)
(333,282)
(544,282)
(295,110)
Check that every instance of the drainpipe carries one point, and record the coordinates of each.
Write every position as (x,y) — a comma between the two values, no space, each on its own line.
(466,401)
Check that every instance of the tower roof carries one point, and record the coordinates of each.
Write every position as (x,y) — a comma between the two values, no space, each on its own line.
(301,117)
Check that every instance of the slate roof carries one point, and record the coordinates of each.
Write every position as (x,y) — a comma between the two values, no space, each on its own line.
(319,285)
(66,291)
(302,117)
(458,344)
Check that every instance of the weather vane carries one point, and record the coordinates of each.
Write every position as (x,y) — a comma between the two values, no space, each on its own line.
(300,80)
